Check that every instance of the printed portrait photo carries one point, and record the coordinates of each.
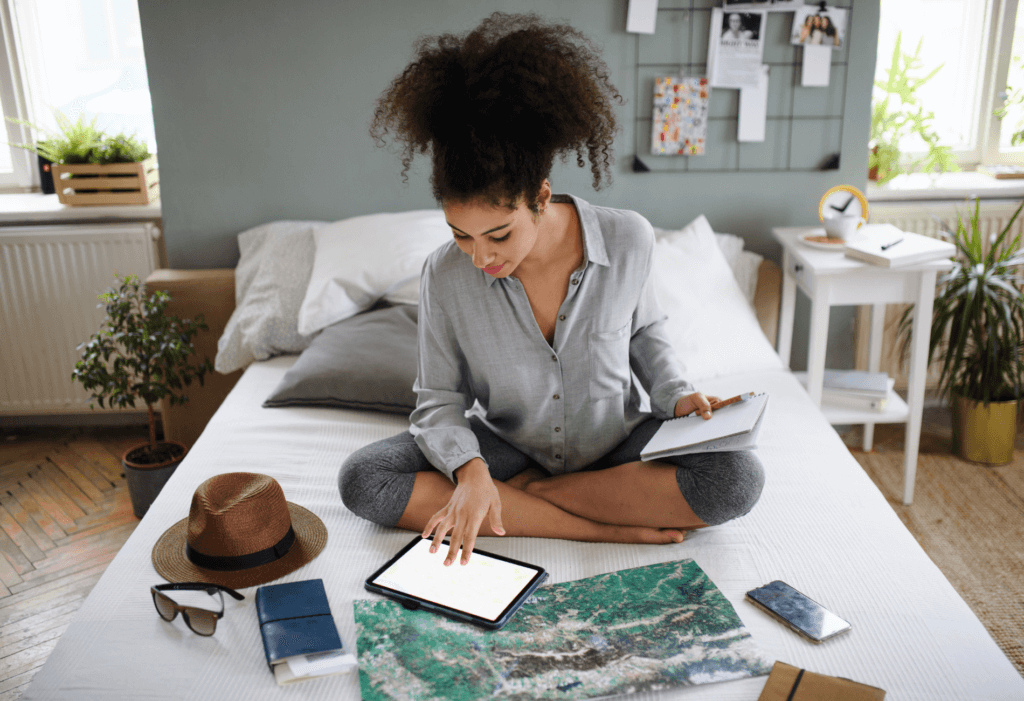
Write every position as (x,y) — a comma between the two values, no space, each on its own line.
(814,26)
(738,26)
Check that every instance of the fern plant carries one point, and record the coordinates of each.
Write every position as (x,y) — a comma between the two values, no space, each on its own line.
(81,142)
(978,317)
(897,112)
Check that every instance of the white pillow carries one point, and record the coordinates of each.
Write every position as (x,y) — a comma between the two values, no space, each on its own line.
(710,323)
(744,264)
(270,282)
(362,259)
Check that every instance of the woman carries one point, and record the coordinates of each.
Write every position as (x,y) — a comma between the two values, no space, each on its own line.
(535,315)
(829,34)
(734,30)
(806,28)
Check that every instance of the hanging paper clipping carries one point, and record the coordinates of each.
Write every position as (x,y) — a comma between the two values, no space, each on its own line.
(680,116)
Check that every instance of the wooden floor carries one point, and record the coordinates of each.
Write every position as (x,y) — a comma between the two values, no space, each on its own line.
(64,514)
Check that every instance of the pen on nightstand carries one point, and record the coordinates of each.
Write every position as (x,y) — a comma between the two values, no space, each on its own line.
(890,245)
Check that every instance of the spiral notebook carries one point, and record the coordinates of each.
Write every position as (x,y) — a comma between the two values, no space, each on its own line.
(734,427)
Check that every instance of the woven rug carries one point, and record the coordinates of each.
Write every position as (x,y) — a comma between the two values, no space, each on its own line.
(968,518)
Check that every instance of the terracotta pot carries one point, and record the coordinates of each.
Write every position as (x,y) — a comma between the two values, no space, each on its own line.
(146,481)
(984,434)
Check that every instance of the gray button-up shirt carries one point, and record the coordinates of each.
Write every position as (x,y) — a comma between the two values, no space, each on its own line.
(564,404)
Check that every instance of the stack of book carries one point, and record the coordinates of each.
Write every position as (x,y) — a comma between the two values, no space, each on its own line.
(889,247)
(854,389)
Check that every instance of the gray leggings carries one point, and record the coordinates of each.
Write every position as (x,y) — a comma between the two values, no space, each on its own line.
(376,481)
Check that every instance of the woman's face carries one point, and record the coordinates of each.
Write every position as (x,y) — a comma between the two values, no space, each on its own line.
(825,22)
(495,237)
(817,21)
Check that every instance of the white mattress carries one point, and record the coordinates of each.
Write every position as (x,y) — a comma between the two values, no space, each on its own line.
(821,525)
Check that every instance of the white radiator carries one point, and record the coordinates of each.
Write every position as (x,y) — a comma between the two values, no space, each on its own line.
(50,277)
(927,218)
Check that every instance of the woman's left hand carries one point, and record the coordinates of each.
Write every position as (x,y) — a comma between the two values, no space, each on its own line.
(695,402)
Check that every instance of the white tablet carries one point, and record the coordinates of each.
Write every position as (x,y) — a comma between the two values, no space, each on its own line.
(484,592)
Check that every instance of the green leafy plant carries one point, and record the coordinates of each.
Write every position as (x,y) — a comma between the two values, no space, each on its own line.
(978,317)
(897,112)
(81,142)
(140,353)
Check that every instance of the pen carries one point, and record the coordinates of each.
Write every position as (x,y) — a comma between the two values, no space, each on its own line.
(890,245)
(726,402)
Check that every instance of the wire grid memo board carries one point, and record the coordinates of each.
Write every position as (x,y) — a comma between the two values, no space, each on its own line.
(804,130)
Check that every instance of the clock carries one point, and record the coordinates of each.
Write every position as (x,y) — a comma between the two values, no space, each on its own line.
(843,200)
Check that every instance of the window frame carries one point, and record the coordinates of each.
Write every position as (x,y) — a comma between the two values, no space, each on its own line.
(1000,18)
(25,175)
(1001,54)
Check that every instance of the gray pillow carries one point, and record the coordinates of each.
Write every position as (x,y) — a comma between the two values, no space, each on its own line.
(367,361)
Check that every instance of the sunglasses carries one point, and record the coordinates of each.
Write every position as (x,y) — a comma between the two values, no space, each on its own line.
(200,621)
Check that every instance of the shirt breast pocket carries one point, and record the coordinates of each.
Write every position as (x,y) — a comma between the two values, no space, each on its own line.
(609,363)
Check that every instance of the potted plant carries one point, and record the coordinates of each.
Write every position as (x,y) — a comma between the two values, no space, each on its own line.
(141,353)
(978,324)
(896,113)
(122,168)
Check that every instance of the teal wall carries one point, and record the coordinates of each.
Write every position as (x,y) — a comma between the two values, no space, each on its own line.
(262,111)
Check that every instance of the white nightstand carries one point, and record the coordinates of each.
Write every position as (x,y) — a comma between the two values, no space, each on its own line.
(830,278)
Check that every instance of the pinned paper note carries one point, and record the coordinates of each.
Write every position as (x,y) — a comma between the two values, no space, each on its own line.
(816,67)
(754,110)
(641,16)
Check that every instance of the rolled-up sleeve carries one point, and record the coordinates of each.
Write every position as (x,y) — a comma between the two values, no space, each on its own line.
(651,355)
(439,422)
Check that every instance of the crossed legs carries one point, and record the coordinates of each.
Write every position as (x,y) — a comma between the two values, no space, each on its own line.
(620,499)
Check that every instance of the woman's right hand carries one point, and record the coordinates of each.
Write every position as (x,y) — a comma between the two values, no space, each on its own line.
(475,497)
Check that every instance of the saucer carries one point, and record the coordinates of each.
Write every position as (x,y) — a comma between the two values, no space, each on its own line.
(834,245)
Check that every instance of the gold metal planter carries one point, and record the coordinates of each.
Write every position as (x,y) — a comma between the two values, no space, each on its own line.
(984,434)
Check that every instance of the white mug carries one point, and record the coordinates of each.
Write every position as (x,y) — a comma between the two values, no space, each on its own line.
(842,227)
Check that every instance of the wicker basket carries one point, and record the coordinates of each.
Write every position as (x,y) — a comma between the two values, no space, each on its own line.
(132,183)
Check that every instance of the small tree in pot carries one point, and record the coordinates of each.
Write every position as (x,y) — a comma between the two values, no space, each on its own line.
(978,324)
(140,353)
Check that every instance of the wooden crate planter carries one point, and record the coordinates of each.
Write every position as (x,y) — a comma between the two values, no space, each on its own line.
(111,184)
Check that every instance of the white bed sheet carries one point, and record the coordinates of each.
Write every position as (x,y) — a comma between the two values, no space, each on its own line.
(820,525)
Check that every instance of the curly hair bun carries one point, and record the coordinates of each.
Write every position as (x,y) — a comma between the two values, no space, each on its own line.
(496,105)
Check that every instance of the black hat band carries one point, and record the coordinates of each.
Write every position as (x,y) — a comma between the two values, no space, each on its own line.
(231,563)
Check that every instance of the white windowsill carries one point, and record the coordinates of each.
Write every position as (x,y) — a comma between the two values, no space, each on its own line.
(946,186)
(35,207)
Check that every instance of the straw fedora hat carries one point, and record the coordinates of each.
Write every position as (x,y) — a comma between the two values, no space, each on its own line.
(240,532)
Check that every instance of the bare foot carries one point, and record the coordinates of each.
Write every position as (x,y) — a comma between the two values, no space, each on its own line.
(643,534)
(530,474)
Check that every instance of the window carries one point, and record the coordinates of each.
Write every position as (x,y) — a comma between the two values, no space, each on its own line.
(973,42)
(82,57)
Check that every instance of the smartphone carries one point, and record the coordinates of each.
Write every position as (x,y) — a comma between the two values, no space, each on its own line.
(798,611)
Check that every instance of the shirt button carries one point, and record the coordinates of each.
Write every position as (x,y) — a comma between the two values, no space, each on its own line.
(557,429)
(556,396)
(558,457)
(555,358)
(575,281)
(562,318)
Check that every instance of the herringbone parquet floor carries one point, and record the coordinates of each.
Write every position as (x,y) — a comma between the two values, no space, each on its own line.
(64,514)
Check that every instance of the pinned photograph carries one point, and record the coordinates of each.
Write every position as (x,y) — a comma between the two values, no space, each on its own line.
(735,48)
(813,26)
(769,5)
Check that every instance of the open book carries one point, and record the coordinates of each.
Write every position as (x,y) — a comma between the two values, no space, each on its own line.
(734,427)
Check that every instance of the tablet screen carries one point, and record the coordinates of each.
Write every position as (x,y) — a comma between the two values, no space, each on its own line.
(484,588)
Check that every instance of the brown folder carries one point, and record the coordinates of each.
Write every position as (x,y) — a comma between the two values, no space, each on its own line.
(789,683)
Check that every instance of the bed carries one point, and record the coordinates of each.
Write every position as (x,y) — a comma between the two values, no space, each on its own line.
(821,525)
